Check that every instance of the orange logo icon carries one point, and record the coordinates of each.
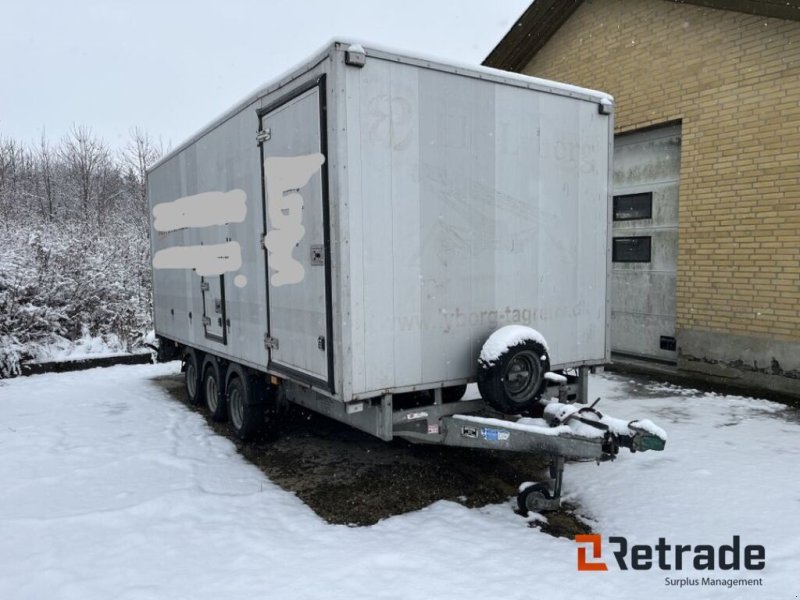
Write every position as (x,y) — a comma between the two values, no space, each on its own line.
(595,540)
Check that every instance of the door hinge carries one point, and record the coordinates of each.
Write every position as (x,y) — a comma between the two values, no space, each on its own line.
(264,241)
(263,135)
(270,343)
(204,287)
(321,342)
(206,321)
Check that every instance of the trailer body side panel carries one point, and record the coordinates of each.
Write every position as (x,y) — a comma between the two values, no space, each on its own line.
(222,161)
(472,205)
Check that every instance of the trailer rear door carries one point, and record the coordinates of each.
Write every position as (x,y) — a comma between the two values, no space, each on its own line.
(293,155)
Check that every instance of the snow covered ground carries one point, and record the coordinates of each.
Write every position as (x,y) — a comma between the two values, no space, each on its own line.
(111,489)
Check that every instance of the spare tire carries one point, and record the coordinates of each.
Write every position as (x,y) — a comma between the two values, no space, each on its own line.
(513,364)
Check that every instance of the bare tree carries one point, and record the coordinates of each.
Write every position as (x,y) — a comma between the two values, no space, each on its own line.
(16,170)
(45,169)
(139,154)
(10,151)
(6,161)
(86,158)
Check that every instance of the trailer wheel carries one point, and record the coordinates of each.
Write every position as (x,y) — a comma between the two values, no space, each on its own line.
(247,411)
(531,498)
(454,393)
(214,392)
(514,382)
(192,377)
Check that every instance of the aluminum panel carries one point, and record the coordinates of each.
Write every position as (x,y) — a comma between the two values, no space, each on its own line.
(472,205)
(224,159)
(297,310)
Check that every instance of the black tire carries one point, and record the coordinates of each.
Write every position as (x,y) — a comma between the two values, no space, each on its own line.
(192,377)
(214,391)
(514,383)
(246,411)
(454,393)
(526,499)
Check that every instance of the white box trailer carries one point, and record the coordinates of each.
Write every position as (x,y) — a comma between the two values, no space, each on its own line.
(355,232)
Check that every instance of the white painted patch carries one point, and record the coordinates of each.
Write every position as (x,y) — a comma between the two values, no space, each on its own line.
(201,210)
(240,281)
(214,259)
(285,175)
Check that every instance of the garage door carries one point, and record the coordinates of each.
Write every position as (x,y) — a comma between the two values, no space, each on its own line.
(645,243)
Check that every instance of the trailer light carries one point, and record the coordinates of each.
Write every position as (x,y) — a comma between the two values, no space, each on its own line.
(355,56)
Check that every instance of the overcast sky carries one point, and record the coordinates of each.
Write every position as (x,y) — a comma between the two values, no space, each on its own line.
(171,66)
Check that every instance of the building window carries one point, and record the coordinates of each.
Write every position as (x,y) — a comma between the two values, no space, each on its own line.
(631,249)
(633,206)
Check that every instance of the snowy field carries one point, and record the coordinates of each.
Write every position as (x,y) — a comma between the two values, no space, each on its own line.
(111,489)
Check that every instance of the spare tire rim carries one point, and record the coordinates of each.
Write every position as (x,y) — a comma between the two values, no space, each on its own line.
(522,376)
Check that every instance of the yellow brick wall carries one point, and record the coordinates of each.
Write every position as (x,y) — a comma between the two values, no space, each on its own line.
(734,82)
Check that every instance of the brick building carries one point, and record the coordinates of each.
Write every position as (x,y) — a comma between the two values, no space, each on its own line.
(706,267)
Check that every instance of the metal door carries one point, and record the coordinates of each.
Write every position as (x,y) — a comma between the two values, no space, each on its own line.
(214,318)
(645,242)
(293,155)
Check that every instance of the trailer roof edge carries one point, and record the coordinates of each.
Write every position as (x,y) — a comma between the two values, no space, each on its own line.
(385,53)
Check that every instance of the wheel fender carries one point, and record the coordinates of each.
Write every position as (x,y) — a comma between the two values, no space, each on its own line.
(187,354)
(235,370)
(253,392)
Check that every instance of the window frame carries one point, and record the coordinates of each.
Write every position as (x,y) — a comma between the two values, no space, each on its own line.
(614,255)
(647,195)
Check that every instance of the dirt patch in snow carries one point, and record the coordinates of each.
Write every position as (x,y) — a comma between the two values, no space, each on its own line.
(349,477)
(563,523)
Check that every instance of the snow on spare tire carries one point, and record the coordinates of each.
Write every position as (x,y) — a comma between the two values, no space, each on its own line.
(512,366)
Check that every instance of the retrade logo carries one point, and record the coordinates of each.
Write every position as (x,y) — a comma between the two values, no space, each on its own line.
(669,557)
(596,544)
